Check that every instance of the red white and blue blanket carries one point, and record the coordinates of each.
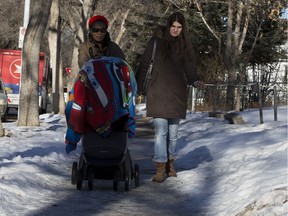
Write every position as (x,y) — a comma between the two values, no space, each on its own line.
(103,92)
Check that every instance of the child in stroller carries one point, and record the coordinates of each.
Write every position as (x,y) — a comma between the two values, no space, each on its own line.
(101,111)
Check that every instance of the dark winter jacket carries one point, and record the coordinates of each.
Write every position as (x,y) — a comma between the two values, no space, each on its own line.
(91,49)
(167,90)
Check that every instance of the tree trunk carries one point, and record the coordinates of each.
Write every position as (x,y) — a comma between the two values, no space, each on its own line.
(55,48)
(81,35)
(29,86)
(228,58)
(238,98)
(234,47)
(1,129)
(122,28)
(62,104)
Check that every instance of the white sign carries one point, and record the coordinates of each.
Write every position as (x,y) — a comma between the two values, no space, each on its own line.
(21,36)
(15,68)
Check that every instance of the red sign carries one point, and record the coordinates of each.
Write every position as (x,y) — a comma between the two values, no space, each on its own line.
(68,70)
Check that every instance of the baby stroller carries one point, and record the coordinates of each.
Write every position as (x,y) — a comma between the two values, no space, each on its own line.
(106,158)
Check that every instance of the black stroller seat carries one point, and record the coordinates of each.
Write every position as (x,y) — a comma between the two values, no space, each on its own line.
(106,158)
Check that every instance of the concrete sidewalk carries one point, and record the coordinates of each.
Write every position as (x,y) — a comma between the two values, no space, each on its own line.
(144,127)
(142,146)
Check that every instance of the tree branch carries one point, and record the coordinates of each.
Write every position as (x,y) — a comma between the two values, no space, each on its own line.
(245,27)
(203,19)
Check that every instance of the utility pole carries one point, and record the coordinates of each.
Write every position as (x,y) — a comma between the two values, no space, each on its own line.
(25,23)
(22,32)
(26,13)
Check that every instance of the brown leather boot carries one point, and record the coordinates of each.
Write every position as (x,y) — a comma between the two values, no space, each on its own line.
(160,174)
(170,168)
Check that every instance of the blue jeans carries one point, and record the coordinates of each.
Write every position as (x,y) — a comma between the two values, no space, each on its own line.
(166,134)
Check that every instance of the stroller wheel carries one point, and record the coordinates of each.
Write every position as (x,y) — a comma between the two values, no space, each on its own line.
(74,173)
(90,180)
(116,180)
(128,181)
(136,175)
(79,180)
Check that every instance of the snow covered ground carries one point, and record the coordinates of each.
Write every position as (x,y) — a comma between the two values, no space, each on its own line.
(223,169)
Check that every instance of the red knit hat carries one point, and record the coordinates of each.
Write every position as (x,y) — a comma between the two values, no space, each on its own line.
(97,18)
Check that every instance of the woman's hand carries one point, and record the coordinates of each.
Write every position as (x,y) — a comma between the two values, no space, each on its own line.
(199,84)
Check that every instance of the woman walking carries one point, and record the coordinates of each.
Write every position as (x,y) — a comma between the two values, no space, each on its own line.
(166,100)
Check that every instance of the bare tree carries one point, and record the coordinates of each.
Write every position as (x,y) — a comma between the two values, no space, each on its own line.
(78,22)
(11,15)
(238,15)
(29,88)
(58,104)
(55,47)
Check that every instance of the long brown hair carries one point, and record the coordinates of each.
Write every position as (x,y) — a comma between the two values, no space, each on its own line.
(183,43)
